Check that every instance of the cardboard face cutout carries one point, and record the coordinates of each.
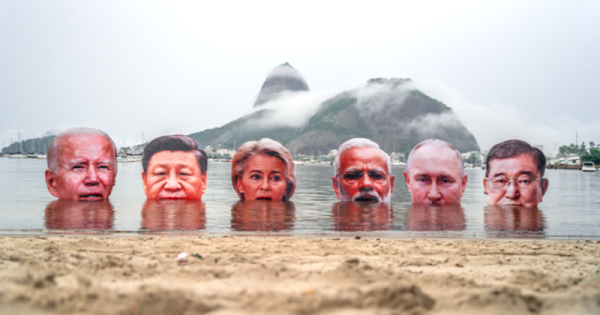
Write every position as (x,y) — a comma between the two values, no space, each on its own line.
(82,166)
(363,176)
(174,168)
(434,174)
(263,170)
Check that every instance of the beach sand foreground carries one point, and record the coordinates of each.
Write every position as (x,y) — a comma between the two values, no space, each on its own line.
(285,275)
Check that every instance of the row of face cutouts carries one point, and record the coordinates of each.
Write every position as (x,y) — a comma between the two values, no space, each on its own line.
(85,170)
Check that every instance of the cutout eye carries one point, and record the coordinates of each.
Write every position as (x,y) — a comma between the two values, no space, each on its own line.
(276,178)
(524,181)
(77,167)
(353,175)
(376,176)
(255,176)
(446,181)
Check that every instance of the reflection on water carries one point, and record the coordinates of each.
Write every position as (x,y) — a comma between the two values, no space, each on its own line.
(423,217)
(362,216)
(79,215)
(263,215)
(511,221)
(173,215)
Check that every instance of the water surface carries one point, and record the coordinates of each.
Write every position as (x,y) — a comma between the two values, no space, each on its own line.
(570,208)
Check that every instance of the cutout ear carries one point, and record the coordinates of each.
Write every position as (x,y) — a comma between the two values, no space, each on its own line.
(240,188)
(204,177)
(289,192)
(407,180)
(392,177)
(336,188)
(464,183)
(51,183)
(544,186)
(144,183)
(485,185)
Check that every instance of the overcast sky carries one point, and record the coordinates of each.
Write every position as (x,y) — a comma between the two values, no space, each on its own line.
(510,69)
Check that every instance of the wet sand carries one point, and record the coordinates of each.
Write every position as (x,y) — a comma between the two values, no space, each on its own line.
(255,275)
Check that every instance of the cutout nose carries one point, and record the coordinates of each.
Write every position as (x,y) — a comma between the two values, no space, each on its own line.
(434,193)
(91,178)
(365,182)
(264,185)
(512,191)
(172,184)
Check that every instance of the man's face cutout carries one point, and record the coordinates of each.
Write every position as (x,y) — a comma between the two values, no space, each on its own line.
(363,176)
(86,168)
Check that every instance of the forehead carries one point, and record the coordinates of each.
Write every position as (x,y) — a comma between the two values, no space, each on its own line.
(368,158)
(513,166)
(85,147)
(435,160)
(264,163)
(173,159)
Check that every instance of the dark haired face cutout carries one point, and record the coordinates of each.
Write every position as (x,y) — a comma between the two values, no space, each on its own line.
(174,175)
(363,176)
(514,194)
(86,169)
(263,179)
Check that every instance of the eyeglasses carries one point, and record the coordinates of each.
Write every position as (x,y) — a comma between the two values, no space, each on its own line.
(357,175)
(523,182)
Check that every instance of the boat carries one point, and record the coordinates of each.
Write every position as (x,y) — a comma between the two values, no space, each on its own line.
(17,155)
(572,162)
(588,167)
(42,156)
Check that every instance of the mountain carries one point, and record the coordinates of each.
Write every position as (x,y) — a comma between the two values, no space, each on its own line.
(386,111)
(283,78)
(390,112)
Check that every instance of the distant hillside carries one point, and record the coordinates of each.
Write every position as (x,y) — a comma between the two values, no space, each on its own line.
(241,130)
(394,117)
(387,111)
(36,145)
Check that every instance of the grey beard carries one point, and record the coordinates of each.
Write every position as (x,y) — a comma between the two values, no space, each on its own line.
(368,194)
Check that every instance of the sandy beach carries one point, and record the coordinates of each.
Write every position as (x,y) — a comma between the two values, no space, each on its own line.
(281,275)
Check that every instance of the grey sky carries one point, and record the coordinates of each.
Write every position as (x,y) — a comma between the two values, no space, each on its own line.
(510,69)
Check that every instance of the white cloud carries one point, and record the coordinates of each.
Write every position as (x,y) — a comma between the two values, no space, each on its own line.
(493,123)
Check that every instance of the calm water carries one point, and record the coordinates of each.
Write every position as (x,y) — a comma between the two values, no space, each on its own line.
(571,208)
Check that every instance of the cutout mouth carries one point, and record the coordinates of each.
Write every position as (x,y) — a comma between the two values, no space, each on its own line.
(91,196)
(264,198)
(367,198)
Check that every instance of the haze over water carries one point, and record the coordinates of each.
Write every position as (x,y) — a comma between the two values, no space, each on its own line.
(571,208)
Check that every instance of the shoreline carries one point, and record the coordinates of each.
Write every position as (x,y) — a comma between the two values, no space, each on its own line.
(125,274)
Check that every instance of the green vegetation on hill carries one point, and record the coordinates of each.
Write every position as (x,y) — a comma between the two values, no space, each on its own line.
(395,117)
